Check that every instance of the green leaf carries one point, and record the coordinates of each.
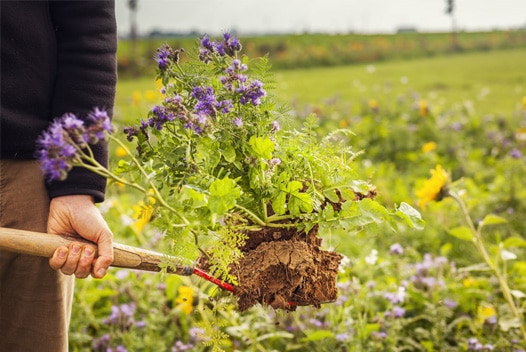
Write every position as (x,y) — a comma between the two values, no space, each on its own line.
(509,323)
(262,147)
(229,153)
(462,232)
(514,242)
(410,215)
(223,195)
(331,195)
(319,335)
(373,210)
(193,195)
(300,202)
(492,219)
(360,186)
(278,203)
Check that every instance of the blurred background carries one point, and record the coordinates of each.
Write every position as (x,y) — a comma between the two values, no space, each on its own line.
(249,17)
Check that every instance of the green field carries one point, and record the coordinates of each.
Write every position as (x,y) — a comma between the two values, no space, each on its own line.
(494,82)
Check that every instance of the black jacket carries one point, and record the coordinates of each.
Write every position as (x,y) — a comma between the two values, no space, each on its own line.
(56,57)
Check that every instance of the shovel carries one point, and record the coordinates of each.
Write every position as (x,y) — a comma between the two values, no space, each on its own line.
(44,245)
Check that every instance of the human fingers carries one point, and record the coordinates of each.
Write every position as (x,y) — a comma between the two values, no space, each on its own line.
(72,260)
(59,258)
(85,262)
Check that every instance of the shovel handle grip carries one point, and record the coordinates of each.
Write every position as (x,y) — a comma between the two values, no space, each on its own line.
(44,245)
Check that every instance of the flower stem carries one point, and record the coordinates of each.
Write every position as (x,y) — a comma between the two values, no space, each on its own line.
(477,239)
(156,194)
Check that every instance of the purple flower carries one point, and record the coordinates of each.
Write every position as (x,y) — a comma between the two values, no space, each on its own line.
(515,153)
(121,315)
(99,124)
(56,149)
(473,344)
(238,121)
(162,57)
(398,312)
(206,43)
(396,249)
(343,337)
(120,348)
(206,100)
(231,44)
(451,304)
(252,93)
(102,343)
(275,127)
(181,346)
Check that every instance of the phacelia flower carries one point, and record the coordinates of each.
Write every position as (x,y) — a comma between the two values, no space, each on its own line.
(238,121)
(515,153)
(206,100)
(396,249)
(165,55)
(162,57)
(434,188)
(252,93)
(58,147)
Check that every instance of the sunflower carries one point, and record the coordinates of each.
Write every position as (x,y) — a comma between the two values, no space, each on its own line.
(434,188)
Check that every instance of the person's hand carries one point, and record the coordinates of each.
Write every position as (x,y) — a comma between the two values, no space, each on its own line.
(78,215)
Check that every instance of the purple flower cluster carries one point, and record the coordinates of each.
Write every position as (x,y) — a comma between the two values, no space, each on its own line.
(229,46)
(102,344)
(207,103)
(233,75)
(58,147)
(397,312)
(475,345)
(425,277)
(121,316)
(165,55)
(251,93)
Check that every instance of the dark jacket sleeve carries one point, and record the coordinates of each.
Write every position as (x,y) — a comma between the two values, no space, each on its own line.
(85,78)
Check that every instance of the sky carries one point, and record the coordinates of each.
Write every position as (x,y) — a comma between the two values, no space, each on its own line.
(322,16)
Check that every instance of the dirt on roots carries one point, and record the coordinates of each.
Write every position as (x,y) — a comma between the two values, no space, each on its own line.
(284,269)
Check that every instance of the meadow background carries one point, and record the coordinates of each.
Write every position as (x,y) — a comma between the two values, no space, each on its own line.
(413,101)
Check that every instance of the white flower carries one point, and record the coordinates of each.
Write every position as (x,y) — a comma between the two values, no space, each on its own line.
(372,257)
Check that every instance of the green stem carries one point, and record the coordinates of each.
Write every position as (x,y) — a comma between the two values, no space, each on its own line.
(156,194)
(254,217)
(477,239)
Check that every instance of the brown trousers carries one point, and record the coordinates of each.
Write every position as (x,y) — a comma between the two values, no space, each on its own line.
(35,301)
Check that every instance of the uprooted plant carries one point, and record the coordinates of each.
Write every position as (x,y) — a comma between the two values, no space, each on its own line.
(224,180)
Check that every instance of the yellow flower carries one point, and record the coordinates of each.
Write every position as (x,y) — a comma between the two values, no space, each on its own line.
(433,188)
(373,104)
(185,299)
(136,98)
(470,282)
(484,312)
(429,147)
(150,95)
(524,103)
(423,108)
(120,152)
(143,214)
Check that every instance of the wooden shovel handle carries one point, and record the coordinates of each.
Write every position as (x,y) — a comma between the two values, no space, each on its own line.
(44,245)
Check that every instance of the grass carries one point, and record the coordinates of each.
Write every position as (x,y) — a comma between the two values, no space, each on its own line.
(497,80)
(493,81)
